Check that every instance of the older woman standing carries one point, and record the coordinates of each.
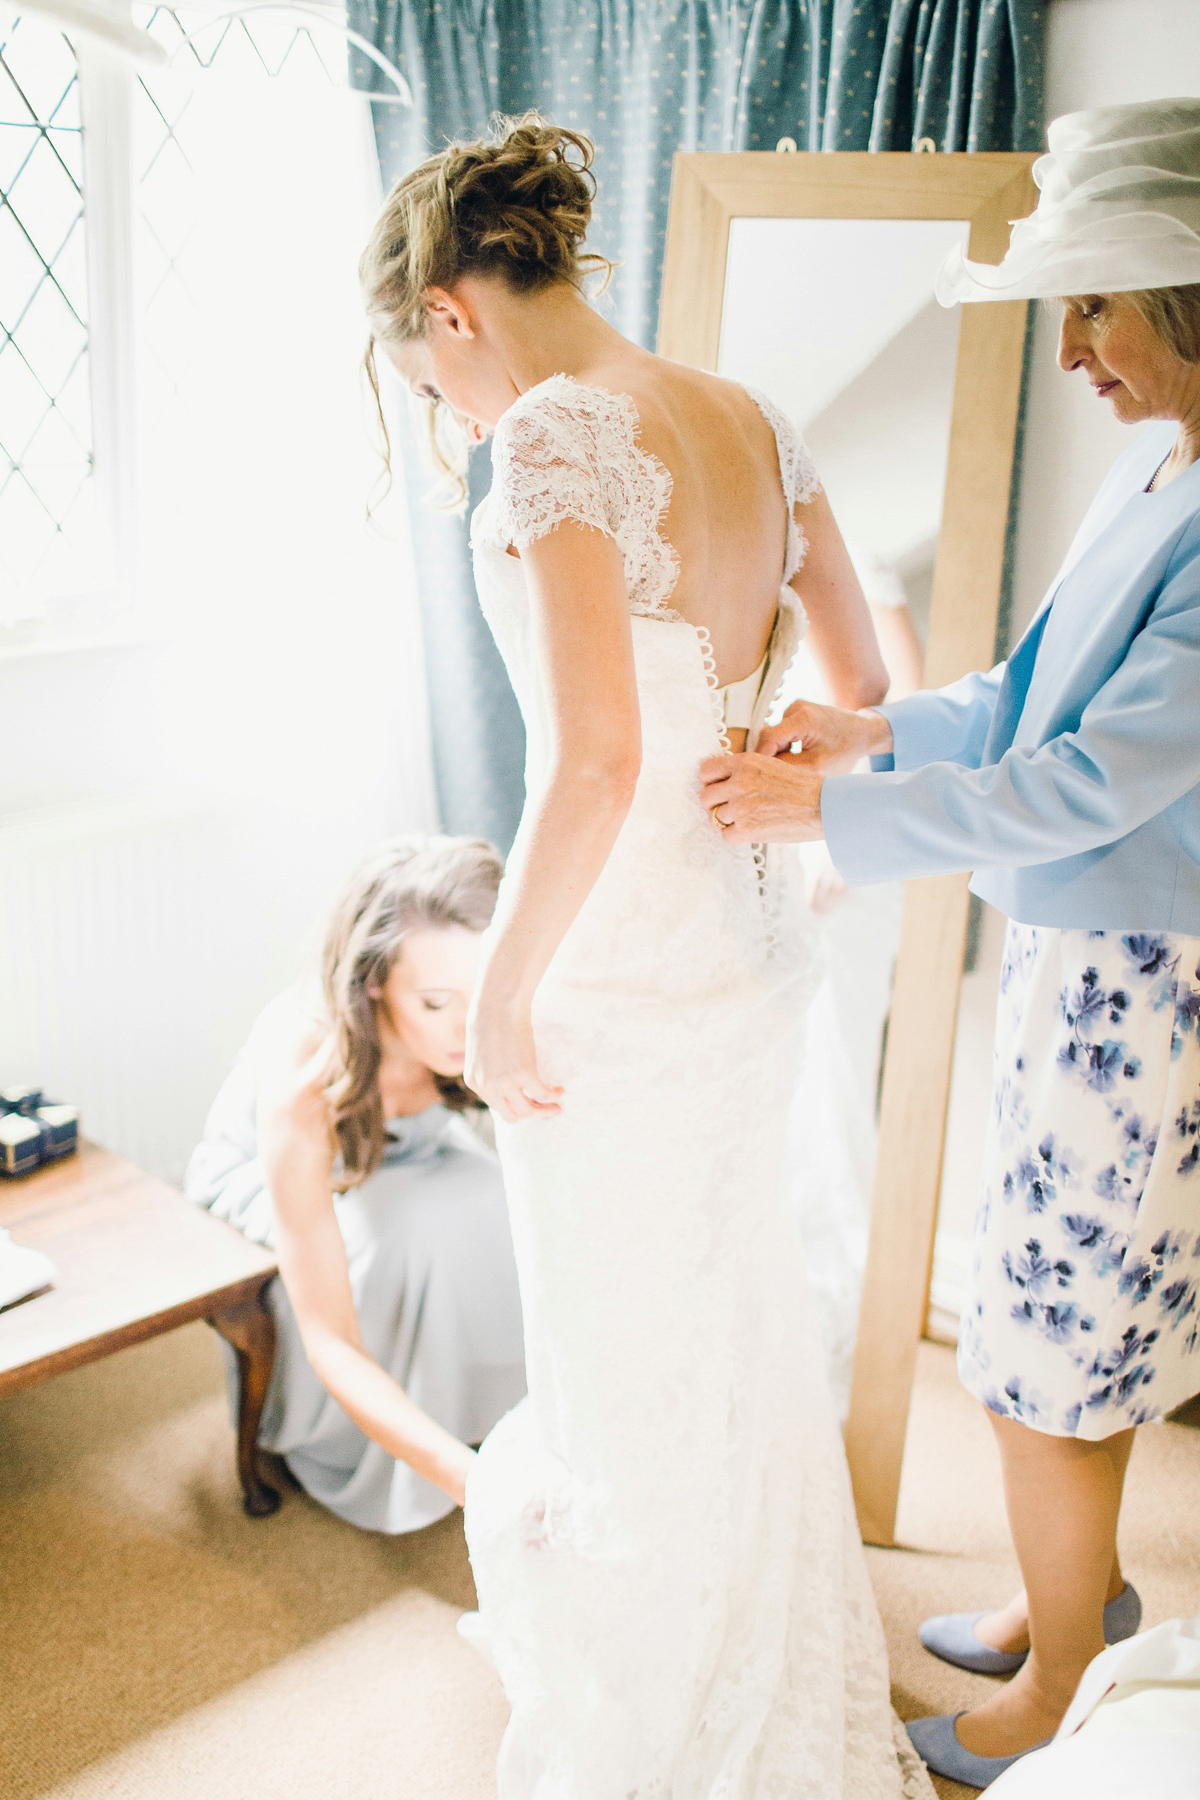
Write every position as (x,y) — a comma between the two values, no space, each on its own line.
(1068,779)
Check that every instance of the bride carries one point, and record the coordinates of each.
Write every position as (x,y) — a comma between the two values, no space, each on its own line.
(670,1580)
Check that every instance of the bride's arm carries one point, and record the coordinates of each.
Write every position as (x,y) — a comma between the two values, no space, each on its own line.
(841,636)
(584,645)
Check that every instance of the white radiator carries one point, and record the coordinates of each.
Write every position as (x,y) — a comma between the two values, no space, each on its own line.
(138,940)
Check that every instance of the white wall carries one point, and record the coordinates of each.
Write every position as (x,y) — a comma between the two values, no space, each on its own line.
(1098,53)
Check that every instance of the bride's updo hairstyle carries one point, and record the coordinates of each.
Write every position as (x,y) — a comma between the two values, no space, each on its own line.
(515,205)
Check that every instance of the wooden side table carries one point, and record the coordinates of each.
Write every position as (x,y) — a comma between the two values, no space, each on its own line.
(135,1259)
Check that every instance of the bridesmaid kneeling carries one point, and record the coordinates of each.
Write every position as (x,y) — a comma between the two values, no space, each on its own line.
(338,1140)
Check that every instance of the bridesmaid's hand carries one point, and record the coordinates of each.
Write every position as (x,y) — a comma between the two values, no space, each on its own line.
(502,1063)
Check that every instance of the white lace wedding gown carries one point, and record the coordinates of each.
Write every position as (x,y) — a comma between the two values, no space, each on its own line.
(670,1580)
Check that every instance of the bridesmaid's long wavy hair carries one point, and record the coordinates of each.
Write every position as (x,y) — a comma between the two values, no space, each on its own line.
(408,884)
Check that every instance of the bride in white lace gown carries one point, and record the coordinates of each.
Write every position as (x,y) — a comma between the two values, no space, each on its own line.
(671,1583)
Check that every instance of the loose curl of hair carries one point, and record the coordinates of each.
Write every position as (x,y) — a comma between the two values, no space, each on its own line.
(409,884)
(516,204)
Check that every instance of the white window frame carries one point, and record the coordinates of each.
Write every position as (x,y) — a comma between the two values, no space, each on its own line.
(106,109)
(104,612)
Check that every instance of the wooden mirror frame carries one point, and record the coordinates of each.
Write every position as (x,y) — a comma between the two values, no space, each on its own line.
(987,190)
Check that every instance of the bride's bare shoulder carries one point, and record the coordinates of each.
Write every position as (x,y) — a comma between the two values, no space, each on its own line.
(657,385)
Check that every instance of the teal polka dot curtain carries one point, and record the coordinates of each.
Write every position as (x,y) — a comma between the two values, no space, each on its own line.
(645,78)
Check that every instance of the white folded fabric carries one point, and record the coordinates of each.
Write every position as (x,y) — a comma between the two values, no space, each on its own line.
(22,1271)
(1132,1731)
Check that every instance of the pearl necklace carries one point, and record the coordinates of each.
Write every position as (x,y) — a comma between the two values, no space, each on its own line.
(1150,487)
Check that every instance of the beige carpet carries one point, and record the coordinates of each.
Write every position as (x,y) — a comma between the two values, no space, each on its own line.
(159,1645)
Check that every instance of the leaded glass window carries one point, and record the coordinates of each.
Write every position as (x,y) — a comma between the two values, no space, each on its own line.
(88,503)
(168,172)
(45,418)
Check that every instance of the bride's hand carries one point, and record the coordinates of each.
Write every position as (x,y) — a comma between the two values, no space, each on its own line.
(831,740)
(501,1064)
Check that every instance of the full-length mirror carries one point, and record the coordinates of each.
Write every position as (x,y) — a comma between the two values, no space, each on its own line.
(870,382)
(812,279)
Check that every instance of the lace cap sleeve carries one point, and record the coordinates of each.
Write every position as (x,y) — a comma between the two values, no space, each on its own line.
(797,470)
(548,467)
(797,473)
(568,451)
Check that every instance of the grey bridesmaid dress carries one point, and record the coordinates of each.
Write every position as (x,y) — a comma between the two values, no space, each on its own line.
(435,1290)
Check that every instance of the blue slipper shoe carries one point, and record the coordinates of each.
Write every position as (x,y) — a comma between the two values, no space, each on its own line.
(1123,1616)
(952,1636)
(936,1743)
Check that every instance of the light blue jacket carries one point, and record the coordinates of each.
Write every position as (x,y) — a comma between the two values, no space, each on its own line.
(1068,778)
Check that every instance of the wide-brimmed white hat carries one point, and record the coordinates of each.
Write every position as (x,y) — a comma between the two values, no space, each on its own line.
(1119,209)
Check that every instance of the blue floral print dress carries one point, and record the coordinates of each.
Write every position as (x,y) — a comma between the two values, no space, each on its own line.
(1084,1314)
